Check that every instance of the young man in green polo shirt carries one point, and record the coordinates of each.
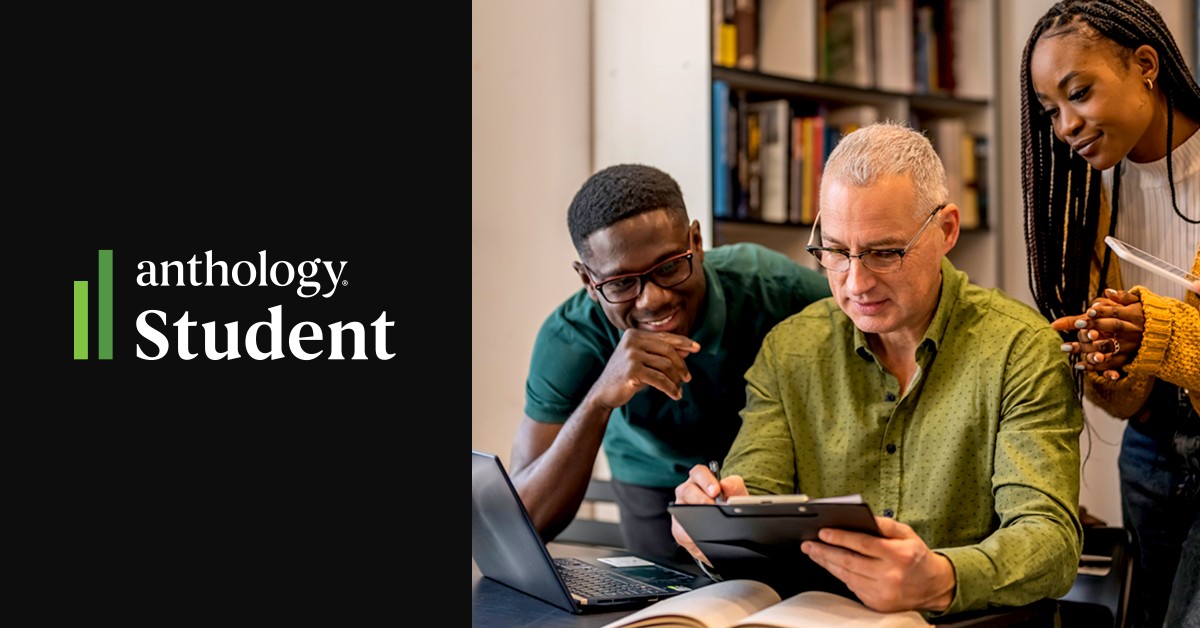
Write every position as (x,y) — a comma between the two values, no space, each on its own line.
(648,358)
(949,407)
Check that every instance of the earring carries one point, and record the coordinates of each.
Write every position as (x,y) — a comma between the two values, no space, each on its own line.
(1150,84)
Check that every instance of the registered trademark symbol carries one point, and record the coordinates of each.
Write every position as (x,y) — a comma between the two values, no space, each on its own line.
(345,282)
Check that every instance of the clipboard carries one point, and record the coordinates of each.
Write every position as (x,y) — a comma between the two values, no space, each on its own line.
(762,541)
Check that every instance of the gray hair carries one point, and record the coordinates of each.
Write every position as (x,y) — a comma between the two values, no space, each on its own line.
(889,148)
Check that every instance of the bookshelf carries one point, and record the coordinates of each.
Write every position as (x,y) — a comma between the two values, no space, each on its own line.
(840,64)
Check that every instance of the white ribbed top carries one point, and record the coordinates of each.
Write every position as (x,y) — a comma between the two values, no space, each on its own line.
(1148,221)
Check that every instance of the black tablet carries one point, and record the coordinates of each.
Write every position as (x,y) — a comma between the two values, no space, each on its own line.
(762,541)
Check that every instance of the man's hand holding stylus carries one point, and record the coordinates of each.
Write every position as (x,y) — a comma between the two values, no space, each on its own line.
(702,487)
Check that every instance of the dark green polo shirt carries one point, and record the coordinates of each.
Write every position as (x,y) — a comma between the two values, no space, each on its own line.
(654,440)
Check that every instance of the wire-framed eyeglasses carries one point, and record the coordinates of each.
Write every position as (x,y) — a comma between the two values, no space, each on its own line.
(878,260)
(666,274)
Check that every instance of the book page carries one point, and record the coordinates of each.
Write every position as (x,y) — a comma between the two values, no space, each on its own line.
(717,605)
(822,610)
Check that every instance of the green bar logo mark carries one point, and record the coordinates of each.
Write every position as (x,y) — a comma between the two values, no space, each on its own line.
(104,303)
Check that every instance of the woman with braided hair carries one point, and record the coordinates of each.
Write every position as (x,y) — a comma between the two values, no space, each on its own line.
(1109,114)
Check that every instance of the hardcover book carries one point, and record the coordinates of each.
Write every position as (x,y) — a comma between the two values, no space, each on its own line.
(752,604)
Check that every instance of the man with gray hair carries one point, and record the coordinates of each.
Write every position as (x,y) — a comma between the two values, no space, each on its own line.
(949,407)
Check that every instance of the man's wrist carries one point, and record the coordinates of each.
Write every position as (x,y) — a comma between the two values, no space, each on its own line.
(945,582)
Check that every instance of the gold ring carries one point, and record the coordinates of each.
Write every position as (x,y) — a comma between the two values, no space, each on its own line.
(1116,346)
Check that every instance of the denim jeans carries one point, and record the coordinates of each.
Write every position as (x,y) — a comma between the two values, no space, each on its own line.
(1159,502)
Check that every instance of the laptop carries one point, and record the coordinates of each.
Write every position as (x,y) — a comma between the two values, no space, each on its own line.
(507,548)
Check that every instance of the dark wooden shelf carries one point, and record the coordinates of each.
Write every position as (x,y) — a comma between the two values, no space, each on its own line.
(763,223)
(845,94)
(808,225)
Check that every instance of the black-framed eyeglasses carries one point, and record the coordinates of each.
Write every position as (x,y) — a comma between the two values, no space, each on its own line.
(878,260)
(667,273)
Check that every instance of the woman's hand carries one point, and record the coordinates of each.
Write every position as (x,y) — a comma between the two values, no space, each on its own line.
(1108,334)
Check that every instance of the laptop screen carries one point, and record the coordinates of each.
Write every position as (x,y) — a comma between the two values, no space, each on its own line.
(503,541)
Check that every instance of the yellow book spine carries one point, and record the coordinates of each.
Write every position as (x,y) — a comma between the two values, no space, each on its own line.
(728,57)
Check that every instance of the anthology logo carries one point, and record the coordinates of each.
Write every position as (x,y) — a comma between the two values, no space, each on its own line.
(105,322)
(203,283)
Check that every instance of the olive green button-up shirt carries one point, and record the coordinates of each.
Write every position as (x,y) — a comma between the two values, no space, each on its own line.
(980,455)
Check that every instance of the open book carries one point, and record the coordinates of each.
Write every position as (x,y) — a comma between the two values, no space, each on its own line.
(752,604)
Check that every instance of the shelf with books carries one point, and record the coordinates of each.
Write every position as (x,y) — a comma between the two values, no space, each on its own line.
(927,62)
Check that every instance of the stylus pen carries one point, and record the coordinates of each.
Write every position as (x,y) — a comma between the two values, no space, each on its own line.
(715,467)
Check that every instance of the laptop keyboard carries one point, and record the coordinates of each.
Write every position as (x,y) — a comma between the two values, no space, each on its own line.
(592,582)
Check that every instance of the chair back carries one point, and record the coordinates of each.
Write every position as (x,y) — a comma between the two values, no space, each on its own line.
(1100,594)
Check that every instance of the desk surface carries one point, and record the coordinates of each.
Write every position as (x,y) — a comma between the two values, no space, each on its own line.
(494,604)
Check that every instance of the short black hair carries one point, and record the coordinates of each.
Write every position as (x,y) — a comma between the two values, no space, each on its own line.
(619,192)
